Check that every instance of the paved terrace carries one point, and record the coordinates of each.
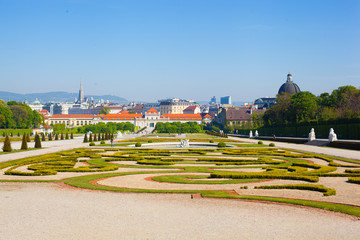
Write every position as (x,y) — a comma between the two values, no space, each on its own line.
(337,152)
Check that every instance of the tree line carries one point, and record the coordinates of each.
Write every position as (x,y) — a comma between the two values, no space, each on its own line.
(178,127)
(18,115)
(342,103)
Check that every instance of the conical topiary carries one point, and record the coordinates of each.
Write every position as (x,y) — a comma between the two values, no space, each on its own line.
(72,136)
(85,138)
(24,145)
(103,137)
(56,136)
(62,136)
(35,136)
(18,134)
(95,138)
(37,141)
(28,137)
(7,144)
(50,137)
(43,137)
(67,136)
(90,138)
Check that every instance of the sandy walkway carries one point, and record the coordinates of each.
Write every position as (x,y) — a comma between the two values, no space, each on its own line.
(47,211)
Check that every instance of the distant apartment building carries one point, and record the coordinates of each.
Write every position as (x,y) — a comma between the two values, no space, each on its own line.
(225,100)
(264,103)
(212,100)
(237,115)
(174,106)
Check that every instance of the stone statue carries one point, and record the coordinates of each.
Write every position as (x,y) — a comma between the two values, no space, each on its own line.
(311,135)
(332,135)
(250,135)
(184,143)
(256,133)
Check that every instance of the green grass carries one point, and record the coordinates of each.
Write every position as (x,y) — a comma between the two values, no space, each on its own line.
(84,182)
(192,179)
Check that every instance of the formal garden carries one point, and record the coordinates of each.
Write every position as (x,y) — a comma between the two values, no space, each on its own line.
(211,167)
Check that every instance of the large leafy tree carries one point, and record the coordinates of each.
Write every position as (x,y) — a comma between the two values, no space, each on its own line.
(6,116)
(303,106)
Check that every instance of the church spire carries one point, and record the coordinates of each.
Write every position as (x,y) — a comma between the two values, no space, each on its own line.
(81,93)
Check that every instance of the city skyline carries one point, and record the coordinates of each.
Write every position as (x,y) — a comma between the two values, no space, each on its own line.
(149,50)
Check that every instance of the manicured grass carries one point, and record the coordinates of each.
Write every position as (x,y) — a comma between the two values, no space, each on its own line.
(311,187)
(191,179)
(84,182)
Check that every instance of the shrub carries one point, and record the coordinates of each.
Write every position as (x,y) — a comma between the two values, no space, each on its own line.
(56,136)
(211,141)
(50,137)
(43,137)
(221,145)
(62,136)
(28,137)
(94,138)
(90,138)
(271,144)
(260,142)
(92,144)
(37,141)
(72,136)
(102,142)
(7,144)
(150,141)
(137,144)
(24,145)
(85,138)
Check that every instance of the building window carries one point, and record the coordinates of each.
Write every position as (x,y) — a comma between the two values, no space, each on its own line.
(77,123)
(81,123)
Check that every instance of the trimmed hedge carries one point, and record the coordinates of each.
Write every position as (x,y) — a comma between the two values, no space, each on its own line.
(319,188)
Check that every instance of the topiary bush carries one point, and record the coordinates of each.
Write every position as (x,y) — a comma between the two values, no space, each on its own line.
(137,144)
(92,144)
(7,144)
(271,144)
(221,145)
(62,136)
(37,141)
(211,141)
(66,136)
(43,137)
(28,137)
(150,141)
(102,142)
(24,145)
(71,136)
(50,137)
(85,138)
(260,142)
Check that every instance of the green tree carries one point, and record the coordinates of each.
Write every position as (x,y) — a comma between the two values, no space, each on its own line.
(6,115)
(105,111)
(24,145)
(37,141)
(7,144)
(85,138)
(303,106)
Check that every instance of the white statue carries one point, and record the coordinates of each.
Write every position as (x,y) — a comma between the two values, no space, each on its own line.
(332,135)
(250,135)
(311,135)
(256,133)
(184,143)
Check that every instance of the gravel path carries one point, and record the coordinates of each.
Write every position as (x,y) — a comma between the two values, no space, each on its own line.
(47,211)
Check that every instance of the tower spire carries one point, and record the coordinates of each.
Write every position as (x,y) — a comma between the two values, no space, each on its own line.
(81,93)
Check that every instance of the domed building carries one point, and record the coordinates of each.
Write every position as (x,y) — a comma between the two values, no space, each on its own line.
(289,86)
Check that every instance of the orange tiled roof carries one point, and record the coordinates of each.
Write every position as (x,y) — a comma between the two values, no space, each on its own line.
(207,116)
(152,110)
(182,116)
(122,116)
(72,116)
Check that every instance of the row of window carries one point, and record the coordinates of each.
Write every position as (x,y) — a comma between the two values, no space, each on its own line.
(67,122)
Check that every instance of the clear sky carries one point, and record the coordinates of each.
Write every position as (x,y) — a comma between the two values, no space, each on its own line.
(152,49)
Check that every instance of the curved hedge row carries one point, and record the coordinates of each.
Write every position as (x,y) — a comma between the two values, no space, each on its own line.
(312,187)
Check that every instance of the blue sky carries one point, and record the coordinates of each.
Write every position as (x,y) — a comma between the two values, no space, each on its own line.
(152,49)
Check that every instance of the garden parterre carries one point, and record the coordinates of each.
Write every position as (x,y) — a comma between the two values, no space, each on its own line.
(278,166)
